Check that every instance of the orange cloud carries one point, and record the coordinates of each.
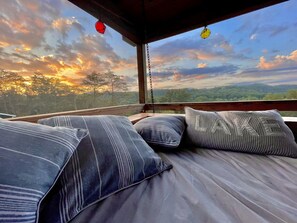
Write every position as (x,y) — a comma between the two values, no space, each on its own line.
(202,65)
(200,77)
(279,61)
(204,55)
(226,46)
(161,61)
(177,77)
(22,48)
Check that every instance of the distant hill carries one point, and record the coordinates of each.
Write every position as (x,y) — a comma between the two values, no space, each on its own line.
(226,93)
(267,88)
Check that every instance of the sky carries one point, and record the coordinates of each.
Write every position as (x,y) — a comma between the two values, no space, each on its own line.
(58,39)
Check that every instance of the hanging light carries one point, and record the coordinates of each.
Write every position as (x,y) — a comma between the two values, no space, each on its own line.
(100,27)
(205,33)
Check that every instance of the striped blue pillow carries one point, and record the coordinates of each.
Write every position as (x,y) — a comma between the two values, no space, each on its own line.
(163,132)
(31,158)
(113,157)
(259,132)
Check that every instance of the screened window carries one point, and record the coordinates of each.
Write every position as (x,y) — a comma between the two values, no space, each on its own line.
(52,59)
(249,57)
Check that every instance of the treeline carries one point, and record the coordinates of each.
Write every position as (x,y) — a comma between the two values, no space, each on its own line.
(228,93)
(41,94)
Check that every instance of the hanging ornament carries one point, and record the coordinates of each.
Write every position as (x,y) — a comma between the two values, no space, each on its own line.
(205,33)
(100,27)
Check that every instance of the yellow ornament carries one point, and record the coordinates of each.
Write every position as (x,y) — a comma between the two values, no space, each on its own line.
(205,33)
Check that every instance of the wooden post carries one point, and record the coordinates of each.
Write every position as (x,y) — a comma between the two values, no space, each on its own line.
(141,64)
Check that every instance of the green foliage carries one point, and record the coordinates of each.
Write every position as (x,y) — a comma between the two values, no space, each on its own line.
(179,95)
(105,82)
(41,94)
(228,93)
(292,94)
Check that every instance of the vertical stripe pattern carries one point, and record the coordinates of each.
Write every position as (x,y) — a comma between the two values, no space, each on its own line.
(31,158)
(163,132)
(113,157)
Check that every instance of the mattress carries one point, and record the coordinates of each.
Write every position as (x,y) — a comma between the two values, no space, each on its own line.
(207,186)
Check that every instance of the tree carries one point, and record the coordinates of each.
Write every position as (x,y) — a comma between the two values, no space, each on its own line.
(271,96)
(105,82)
(176,95)
(12,86)
(114,83)
(41,85)
(95,81)
(291,94)
(46,94)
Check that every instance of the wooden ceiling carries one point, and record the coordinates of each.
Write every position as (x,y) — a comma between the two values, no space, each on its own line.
(143,21)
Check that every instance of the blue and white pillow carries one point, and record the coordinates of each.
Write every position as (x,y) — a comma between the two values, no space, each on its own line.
(258,132)
(31,158)
(113,157)
(163,132)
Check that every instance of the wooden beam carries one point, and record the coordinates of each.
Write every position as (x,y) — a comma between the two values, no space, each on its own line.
(284,105)
(141,64)
(203,14)
(112,17)
(114,110)
(291,122)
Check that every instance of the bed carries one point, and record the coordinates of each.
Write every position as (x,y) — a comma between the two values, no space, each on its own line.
(207,186)
(228,166)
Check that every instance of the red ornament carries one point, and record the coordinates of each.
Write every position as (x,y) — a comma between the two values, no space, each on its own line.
(100,27)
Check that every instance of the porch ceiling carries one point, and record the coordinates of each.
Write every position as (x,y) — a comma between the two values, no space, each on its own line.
(143,21)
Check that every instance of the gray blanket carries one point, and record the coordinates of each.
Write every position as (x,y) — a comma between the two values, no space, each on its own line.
(207,186)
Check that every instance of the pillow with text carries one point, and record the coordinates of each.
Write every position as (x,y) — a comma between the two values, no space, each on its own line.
(259,132)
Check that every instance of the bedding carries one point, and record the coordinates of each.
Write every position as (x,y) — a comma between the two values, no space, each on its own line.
(212,186)
(111,158)
(31,158)
(163,132)
(256,132)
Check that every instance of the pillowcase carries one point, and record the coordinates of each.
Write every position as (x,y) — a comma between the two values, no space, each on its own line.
(260,132)
(113,157)
(164,131)
(31,158)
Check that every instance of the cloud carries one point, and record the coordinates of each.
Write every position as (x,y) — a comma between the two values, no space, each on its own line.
(84,55)
(277,30)
(64,25)
(253,36)
(278,61)
(194,50)
(280,70)
(25,22)
(202,65)
(207,81)
(214,71)
(35,37)
(175,77)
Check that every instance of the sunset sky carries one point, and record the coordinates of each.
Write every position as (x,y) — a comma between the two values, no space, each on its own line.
(56,38)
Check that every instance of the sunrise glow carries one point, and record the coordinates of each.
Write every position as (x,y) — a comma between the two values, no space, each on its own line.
(57,39)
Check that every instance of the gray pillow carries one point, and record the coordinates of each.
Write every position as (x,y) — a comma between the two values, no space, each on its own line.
(164,131)
(260,132)
(31,158)
(113,157)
